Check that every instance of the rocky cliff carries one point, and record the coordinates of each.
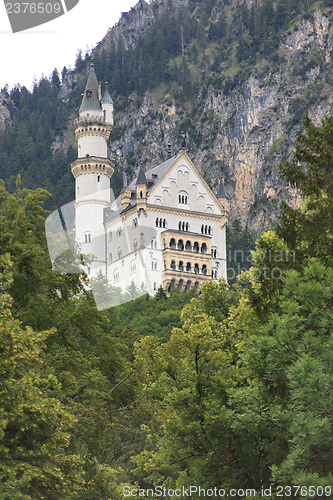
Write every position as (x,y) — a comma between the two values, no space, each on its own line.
(243,132)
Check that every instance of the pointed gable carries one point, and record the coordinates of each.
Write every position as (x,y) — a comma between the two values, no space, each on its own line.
(182,186)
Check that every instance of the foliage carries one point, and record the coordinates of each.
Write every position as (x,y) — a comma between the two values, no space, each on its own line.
(35,461)
(308,228)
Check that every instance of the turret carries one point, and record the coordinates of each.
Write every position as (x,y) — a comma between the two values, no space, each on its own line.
(125,197)
(222,197)
(107,105)
(141,190)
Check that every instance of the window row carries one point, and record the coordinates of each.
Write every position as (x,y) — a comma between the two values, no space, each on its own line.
(206,229)
(188,267)
(188,247)
(160,222)
(183,198)
(183,226)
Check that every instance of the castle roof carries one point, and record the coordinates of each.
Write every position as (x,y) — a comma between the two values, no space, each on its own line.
(90,100)
(150,178)
(221,192)
(141,178)
(106,96)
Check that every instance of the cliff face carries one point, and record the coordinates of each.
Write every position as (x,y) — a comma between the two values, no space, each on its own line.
(245,132)
(4,112)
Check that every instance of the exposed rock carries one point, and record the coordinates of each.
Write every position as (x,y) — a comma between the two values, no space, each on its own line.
(4,111)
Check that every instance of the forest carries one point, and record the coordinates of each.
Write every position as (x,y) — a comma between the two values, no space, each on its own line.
(228,389)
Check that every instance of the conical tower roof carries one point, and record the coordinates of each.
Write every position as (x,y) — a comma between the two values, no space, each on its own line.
(106,96)
(221,192)
(90,99)
(141,177)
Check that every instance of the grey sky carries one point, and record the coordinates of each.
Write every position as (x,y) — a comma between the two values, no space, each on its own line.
(28,55)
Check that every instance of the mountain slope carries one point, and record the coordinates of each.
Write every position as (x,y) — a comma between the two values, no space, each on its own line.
(236,76)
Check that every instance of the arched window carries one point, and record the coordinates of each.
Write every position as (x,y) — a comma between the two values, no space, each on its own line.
(181,266)
(196,247)
(120,253)
(196,268)
(173,265)
(110,257)
(87,237)
(153,243)
(141,194)
(134,223)
(115,275)
(188,246)
(202,229)
(164,222)
(135,244)
(187,226)
(204,269)
(98,178)
(132,266)
(182,198)
(204,248)
(180,245)
(154,265)
(156,222)
(172,243)
(179,226)
(188,267)
(214,253)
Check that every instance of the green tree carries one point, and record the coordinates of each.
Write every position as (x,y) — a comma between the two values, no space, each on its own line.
(35,461)
(308,229)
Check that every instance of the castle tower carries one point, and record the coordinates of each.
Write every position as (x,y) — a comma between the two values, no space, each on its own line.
(92,171)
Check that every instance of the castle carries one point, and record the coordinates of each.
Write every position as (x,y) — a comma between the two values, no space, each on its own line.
(166,228)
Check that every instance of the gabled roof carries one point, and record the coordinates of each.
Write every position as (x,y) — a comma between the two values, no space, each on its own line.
(153,177)
(157,172)
(90,100)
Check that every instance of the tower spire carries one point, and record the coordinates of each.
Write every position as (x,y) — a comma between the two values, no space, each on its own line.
(90,100)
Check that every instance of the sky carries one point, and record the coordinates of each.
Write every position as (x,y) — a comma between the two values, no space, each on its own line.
(28,55)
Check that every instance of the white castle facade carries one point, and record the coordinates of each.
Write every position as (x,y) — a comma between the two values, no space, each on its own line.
(167,228)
